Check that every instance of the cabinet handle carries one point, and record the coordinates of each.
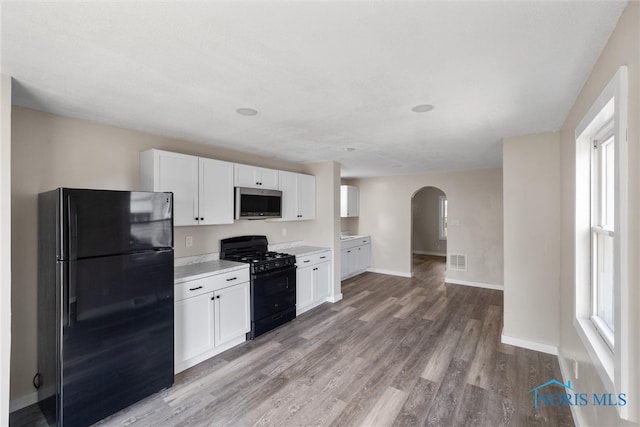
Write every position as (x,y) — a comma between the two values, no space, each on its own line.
(322,257)
(202,219)
(196,288)
(196,218)
(307,260)
(218,296)
(232,278)
(348,252)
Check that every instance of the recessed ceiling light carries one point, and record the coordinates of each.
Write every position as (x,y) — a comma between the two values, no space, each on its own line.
(422,108)
(247,111)
(349,149)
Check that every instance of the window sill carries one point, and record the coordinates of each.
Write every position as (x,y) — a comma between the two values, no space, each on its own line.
(598,350)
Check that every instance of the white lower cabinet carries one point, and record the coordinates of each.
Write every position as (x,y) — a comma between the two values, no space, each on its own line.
(355,256)
(211,316)
(313,280)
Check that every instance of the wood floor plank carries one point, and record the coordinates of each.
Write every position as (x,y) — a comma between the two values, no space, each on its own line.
(395,351)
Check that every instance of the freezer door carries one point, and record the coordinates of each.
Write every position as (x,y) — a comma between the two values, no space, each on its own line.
(117,334)
(100,222)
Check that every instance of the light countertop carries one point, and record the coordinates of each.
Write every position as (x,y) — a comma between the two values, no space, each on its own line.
(203,269)
(304,250)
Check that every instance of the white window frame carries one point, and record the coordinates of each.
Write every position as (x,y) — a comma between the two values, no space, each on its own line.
(442,216)
(612,364)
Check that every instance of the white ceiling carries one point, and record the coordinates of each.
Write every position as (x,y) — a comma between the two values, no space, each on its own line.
(324,76)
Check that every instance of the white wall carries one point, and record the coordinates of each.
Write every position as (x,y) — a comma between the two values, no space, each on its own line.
(51,151)
(475,221)
(5,246)
(426,222)
(532,213)
(623,48)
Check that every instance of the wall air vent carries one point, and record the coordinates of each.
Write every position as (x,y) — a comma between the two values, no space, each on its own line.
(458,262)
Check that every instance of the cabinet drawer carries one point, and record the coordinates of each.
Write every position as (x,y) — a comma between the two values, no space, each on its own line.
(352,243)
(308,260)
(231,278)
(193,288)
(211,283)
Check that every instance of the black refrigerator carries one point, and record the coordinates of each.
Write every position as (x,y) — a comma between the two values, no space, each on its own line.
(105,301)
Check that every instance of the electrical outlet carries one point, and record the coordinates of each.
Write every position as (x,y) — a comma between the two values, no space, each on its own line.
(188,241)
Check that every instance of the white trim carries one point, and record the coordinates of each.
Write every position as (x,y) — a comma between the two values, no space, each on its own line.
(474,284)
(334,298)
(577,419)
(531,345)
(23,401)
(615,370)
(389,272)
(429,253)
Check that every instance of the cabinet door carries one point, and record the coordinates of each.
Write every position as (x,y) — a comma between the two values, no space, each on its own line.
(363,255)
(352,201)
(193,331)
(304,287)
(215,191)
(268,178)
(322,281)
(246,176)
(179,173)
(288,186)
(345,260)
(232,313)
(306,191)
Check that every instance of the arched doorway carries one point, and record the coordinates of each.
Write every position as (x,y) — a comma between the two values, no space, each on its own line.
(429,212)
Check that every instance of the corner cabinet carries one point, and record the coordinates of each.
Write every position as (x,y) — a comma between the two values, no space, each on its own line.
(355,256)
(255,177)
(298,196)
(202,188)
(349,201)
(211,316)
(313,280)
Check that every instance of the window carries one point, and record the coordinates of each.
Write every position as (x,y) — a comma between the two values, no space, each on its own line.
(602,305)
(443,217)
(603,233)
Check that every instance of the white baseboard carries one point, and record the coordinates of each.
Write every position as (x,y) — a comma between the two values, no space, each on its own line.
(531,345)
(335,298)
(23,401)
(429,253)
(564,369)
(474,284)
(389,272)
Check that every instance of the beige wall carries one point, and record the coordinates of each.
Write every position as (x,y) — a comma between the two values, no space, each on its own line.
(623,48)
(532,212)
(426,222)
(5,246)
(475,221)
(51,151)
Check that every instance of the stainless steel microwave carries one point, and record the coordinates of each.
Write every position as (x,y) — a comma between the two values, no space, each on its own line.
(256,203)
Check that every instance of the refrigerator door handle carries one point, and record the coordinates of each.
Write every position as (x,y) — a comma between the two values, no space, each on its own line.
(72,309)
(73,228)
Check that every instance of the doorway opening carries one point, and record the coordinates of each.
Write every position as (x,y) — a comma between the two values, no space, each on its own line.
(429,212)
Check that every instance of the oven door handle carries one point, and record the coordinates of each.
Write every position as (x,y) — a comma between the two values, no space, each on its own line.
(279,272)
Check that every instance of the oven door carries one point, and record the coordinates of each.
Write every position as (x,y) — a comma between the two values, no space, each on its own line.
(273,299)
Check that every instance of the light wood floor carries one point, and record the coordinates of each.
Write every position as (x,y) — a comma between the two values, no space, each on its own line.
(394,351)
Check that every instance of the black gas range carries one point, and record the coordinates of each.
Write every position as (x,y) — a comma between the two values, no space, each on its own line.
(273,281)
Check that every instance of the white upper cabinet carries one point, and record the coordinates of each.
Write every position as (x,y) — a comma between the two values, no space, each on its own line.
(349,201)
(215,191)
(202,188)
(255,177)
(298,196)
